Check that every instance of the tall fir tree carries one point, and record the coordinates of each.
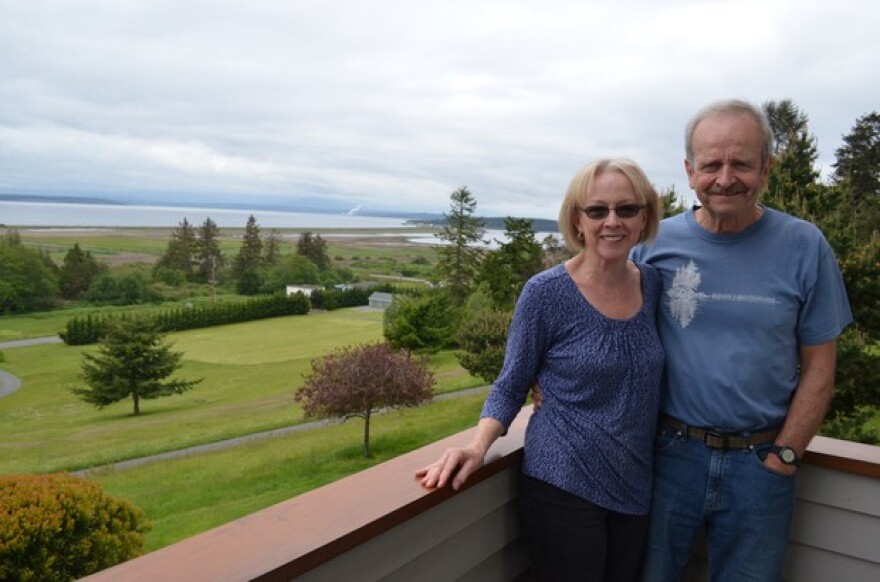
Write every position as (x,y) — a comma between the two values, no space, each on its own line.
(250,255)
(180,254)
(458,261)
(786,120)
(209,257)
(507,269)
(793,185)
(857,170)
(78,270)
(272,248)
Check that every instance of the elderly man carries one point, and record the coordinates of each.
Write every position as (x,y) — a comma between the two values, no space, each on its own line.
(753,302)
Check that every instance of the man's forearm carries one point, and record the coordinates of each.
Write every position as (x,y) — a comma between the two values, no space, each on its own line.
(812,396)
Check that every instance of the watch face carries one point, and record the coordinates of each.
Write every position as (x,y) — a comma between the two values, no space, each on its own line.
(787,455)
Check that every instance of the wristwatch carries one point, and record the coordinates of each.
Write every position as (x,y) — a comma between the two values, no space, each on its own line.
(787,455)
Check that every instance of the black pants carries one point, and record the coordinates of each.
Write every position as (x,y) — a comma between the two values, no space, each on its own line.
(569,538)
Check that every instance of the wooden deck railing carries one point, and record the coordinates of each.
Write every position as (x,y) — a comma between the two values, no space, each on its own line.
(380,524)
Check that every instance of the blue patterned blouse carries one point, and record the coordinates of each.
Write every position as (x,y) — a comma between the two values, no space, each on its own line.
(600,379)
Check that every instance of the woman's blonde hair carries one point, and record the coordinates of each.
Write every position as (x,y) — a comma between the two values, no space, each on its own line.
(583,181)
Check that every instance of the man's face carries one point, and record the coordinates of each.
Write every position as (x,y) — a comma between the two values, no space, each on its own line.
(726,173)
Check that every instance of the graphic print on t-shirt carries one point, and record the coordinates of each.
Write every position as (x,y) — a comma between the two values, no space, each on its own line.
(684,296)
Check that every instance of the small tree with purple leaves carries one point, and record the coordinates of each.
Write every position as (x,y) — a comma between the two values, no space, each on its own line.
(358,381)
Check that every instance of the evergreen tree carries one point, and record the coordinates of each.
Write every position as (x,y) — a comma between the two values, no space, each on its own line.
(857,169)
(671,203)
(313,248)
(77,273)
(181,251)
(483,339)
(520,250)
(424,324)
(458,261)
(250,255)
(132,362)
(518,257)
(786,120)
(272,248)
(208,255)
(793,185)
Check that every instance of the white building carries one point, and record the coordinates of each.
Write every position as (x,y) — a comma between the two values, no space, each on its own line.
(304,289)
(380,300)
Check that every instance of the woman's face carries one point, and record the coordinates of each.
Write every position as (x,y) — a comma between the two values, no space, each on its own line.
(613,236)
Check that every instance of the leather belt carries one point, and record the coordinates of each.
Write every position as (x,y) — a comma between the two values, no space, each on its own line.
(718,440)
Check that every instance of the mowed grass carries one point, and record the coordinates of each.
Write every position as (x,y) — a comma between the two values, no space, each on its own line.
(183,497)
(251,372)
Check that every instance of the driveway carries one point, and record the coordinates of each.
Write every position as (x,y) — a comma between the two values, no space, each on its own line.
(8,382)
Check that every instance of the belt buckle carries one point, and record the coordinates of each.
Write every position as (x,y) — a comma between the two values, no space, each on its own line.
(721,440)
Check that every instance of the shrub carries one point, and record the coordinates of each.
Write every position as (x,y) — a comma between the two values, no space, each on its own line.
(169,276)
(60,527)
(334,298)
(483,339)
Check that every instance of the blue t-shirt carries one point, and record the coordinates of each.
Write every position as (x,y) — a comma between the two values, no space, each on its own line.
(735,310)
(600,380)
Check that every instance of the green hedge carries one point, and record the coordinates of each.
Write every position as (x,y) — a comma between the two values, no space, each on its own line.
(60,527)
(90,329)
(334,298)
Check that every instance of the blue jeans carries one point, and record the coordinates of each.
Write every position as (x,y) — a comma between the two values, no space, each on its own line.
(745,508)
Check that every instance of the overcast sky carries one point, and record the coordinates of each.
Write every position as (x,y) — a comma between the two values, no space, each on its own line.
(394,104)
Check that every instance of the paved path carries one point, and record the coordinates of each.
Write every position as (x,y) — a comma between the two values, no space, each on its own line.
(8,382)
(34,341)
(228,443)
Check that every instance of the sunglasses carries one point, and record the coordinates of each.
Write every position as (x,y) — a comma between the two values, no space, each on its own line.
(622,211)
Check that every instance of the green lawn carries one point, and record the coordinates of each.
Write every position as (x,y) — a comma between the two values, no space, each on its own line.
(250,370)
(186,496)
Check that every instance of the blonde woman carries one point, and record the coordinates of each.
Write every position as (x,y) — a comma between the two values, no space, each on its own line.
(586,331)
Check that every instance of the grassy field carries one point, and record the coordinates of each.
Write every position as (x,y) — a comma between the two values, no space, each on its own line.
(364,251)
(250,370)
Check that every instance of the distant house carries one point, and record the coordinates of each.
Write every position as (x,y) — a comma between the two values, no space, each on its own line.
(304,289)
(381,300)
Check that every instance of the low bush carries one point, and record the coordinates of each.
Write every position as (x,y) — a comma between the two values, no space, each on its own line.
(61,527)
(334,298)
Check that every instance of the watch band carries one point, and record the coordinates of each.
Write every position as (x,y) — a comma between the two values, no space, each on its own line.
(787,455)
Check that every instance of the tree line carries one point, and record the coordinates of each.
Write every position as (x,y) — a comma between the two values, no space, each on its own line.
(193,259)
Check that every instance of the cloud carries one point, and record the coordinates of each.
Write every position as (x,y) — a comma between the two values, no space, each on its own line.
(392,104)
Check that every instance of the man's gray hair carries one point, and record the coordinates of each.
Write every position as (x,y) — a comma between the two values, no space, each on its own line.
(729,107)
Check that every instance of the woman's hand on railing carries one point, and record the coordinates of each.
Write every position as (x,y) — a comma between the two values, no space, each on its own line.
(455,464)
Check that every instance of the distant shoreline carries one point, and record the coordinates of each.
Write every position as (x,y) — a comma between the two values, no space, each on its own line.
(213,210)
